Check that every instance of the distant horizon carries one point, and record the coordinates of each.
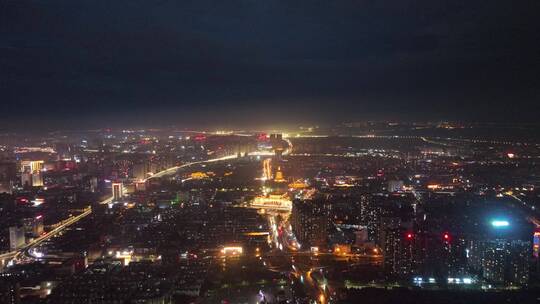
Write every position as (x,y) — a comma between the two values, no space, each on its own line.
(65,64)
(324,127)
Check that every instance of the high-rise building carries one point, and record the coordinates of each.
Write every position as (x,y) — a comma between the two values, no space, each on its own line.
(395,185)
(140,171)
(31,173)
(310,222)
(117,191)
(26,179)
(278,145)
(8,176)
(16,237)
(33,225)
(501,261)
(536,243)
(37,179)
(93,184)
(398,245)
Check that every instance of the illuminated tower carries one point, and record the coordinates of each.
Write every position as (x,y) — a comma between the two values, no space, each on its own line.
(279,176)
(267,167)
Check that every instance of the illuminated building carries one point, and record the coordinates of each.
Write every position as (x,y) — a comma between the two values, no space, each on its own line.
(37,228)
(26,179)
(536,243)
(117,191)
(141,171)
(395,185)
(398,246)
(439,254)
(37,180)
(31,173)
(502,256)
(140,186)
(16,237)
(125,255)
(93,184)
(310,222)
(279,176)
(32,166)
(276,140)
(232,251)
(198,175)
(501,261)
(33,225)
(267,169)
(272,202)
(342,249)
(298,184)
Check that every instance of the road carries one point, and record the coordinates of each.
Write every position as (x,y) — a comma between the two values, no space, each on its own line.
(6,257)
(9,256)
(175,168)
(531,210)
(305,267)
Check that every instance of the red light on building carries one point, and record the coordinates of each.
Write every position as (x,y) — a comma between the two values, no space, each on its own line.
(22,200)
(200,137)
(446,237)
(409,236)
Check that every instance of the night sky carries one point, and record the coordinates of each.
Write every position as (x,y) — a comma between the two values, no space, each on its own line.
(78,63)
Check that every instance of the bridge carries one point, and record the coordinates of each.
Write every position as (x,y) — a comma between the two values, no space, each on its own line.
(9,256)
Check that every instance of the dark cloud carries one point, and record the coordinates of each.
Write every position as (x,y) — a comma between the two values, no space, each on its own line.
(117,60)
